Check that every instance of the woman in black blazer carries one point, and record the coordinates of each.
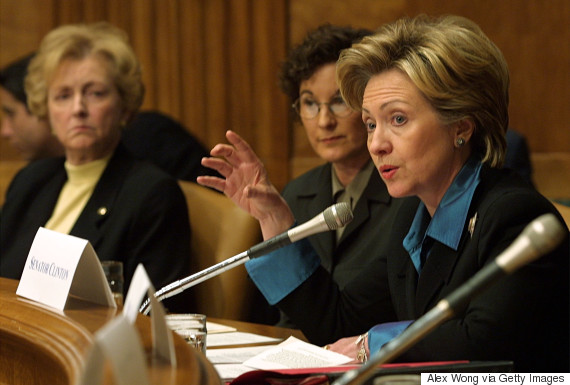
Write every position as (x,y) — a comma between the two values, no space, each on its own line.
(86,80)
(433,94)
(336,134)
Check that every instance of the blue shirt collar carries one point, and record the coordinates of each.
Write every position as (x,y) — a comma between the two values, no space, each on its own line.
(450,217)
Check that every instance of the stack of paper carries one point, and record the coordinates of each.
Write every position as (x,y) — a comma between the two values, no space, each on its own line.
(290,354)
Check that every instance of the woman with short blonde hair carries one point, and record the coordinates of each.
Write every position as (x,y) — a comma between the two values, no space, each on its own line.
(456,67)
(76,41)
(433,98)
(86,80)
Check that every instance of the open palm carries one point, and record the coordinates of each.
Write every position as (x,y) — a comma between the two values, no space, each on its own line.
(246,182)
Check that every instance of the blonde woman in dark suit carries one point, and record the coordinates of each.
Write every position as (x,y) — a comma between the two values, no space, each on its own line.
(86,80)
(433,94)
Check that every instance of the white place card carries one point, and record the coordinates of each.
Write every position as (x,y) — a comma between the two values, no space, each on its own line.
(59,265)
(162,340)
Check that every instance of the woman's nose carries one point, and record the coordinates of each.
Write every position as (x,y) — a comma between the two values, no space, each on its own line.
(79,106)
(6,129)
(378,142)
(325,116)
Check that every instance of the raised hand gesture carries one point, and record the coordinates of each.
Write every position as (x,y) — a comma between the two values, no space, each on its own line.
(247,184)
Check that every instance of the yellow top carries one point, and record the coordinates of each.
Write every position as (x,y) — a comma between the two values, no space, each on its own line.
(81,181)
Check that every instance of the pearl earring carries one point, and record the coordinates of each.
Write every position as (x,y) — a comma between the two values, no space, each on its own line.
(460,142)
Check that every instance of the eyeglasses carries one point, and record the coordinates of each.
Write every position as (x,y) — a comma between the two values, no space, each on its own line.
(309,109)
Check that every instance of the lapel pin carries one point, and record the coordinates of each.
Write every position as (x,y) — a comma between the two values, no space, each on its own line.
(471,226)
(102,211)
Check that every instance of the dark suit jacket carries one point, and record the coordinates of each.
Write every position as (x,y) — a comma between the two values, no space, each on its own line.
(310,194)
(145,219)
(524,317)
(517,156)
(363,241)
(158,138)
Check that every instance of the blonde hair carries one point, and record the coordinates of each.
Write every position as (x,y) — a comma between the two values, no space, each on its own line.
(457,68)
(78,41)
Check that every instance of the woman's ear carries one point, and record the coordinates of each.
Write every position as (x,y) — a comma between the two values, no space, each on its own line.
(464,129)
(126,117)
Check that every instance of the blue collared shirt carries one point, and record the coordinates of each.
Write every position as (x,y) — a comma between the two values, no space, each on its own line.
(447,223)
(280,272)
(445,227)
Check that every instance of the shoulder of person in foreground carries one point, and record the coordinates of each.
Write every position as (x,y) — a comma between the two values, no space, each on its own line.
(496,323)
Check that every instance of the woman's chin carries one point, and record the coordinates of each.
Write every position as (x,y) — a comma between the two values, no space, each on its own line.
(397,191)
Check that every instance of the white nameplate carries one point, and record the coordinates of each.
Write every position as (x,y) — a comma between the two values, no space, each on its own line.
(162,342)
(59,265)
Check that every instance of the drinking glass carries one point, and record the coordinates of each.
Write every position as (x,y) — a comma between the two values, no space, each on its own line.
(114,273)
(191,327)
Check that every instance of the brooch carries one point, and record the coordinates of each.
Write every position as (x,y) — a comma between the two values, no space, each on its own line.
(471,226)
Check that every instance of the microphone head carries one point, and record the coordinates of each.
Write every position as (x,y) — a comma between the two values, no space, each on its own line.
(338,215)
(539,237)
(545,233)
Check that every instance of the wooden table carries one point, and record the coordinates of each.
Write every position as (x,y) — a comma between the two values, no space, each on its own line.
(264,330)
(400,369)
(42,345)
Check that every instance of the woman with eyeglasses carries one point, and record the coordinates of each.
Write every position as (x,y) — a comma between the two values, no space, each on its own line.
(337,135)
(351,255)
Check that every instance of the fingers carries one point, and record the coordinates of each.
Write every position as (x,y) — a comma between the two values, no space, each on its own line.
(235,153)
(236,140)
(222,150)
(229,153)
(346,346)
(213,182)
(243,149)
(219,165)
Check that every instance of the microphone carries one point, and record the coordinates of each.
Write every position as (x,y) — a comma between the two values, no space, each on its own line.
(334,217)
(538,238)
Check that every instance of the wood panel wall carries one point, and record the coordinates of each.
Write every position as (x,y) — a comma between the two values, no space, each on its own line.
(213,63)
(533,35)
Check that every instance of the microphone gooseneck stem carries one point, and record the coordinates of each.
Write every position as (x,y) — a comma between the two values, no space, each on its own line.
(268,246)
(179,286)
(539,237)
(185,283)
(416,331)
(332,218)
(444,310)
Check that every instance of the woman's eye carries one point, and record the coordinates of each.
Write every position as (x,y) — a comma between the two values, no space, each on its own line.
(308,102)
(370,126)
(61,96)
(338,100)
(399,119)
(96,93)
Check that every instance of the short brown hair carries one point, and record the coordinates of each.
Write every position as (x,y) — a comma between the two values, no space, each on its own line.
(319,47)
